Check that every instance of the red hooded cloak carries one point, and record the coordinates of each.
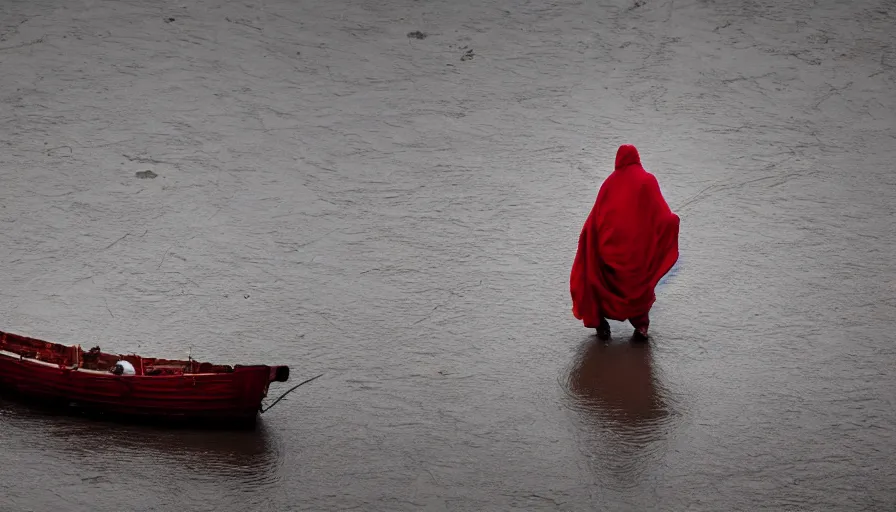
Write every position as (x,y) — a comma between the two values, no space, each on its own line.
(628,243)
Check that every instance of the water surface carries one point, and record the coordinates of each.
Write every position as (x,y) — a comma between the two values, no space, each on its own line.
(336,196)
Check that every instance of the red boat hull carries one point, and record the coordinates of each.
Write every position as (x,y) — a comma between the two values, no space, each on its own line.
(201,392)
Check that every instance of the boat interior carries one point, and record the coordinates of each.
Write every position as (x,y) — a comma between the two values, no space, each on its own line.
(94,360)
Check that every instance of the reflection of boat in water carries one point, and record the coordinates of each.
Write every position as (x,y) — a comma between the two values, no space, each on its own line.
(251,454)
(131,386)
(614,389)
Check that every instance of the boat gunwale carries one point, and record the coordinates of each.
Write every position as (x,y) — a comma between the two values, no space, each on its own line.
(18,357)
(184,366)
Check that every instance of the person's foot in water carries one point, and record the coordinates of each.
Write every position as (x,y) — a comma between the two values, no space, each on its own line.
(603,330)
(640,323)
(640,334)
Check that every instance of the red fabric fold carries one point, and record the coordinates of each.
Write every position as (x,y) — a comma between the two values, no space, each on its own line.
(628,243)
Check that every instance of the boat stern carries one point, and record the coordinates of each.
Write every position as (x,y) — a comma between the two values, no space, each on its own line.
(279,374)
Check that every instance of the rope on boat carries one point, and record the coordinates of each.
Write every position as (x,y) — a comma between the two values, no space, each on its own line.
(268,408)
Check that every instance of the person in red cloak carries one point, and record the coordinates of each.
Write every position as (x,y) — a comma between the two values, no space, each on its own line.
(628,243)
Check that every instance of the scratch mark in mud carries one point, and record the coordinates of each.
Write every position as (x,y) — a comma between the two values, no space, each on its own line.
(740,78)
(14,28)
(163,257)
(148,160)
(808,60)
(296,246)
(194,283)
(730,186)
(538,497)
(327,319)
(51,150)
(885,66)
(428,315)
(115,242)
(82,279)
(832,92)
(243,23)
(54,196)
(23,45)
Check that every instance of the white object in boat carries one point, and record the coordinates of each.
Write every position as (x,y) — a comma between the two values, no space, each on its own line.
(123,367)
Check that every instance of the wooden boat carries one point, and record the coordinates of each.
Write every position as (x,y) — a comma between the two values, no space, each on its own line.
(135,387)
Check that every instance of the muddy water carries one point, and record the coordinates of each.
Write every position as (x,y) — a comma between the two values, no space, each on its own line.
(400,214)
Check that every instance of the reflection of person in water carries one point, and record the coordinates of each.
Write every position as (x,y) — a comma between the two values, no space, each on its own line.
(617,394)
(617,381)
